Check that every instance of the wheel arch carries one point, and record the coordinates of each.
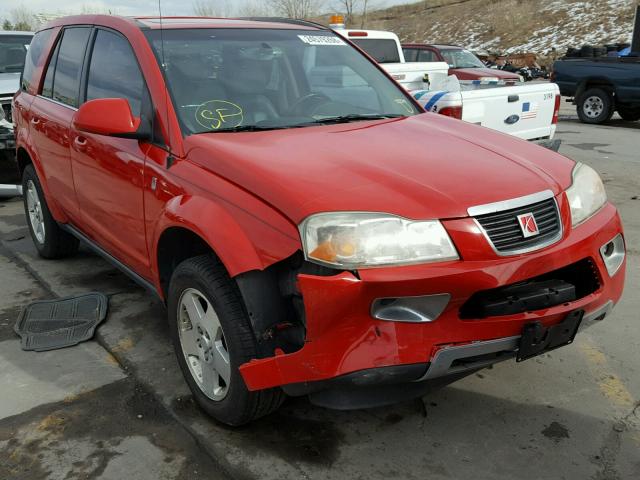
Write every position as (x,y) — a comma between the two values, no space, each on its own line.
(25,156)
(23,159)
(595,82)
(191,225)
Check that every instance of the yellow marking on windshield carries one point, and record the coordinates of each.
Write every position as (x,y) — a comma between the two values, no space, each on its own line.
(216,114)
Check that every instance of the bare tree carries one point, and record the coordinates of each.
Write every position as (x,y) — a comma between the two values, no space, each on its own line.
(24,19)
(211,8)
(295,8)
(348,7)
(367,5)
(86,9)
(255,9)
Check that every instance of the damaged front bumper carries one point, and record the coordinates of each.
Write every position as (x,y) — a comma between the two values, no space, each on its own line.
(347,353)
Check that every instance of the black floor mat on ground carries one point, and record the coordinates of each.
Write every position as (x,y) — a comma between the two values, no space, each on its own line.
(53,324)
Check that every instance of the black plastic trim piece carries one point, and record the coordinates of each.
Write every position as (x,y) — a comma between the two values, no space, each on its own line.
(373,396)
(391,375)
(110,258)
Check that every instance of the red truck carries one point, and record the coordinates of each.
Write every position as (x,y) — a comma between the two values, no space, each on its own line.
(311,230)
(462,63)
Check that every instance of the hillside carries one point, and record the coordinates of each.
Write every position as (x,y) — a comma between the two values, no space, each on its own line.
(510,26)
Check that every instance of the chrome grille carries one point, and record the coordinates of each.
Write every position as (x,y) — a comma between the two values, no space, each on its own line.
(504,232)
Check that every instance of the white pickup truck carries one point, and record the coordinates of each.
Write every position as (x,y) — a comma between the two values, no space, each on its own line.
(526,111)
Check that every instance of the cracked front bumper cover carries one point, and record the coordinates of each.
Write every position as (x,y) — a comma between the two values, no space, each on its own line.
(342,337)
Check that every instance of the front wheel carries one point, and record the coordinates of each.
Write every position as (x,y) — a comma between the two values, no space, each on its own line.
(595,106)
(212,337)
(50,240)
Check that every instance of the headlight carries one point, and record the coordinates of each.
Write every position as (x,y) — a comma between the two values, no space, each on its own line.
(586,195)
(353,240)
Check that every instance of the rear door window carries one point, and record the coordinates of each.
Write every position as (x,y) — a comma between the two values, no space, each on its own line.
(121,78)
(47,86)
(68,66)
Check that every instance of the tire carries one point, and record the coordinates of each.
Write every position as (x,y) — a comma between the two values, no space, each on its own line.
(201,342)
(595,106)
(586,51)
(599,52)
(629,114)
(50,240)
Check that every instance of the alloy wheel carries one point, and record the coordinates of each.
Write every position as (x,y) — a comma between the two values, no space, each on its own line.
(36,217)
(203,344)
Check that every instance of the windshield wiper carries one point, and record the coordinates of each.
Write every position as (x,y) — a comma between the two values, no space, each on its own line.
(245,128)
(321,121)
(356,118)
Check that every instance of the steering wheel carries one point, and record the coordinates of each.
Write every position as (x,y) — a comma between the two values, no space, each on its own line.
(308,98)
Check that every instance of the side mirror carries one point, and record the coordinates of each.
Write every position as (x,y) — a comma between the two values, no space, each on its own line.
(107,116)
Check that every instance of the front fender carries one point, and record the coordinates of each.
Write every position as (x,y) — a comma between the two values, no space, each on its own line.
(242,241)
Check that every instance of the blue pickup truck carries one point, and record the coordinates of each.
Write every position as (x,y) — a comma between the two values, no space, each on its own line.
(601,86)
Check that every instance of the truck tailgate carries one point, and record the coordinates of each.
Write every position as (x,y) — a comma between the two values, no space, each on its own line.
(524,111)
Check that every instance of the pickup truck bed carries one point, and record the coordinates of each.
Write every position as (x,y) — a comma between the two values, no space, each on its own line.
(601,86)
(526,111)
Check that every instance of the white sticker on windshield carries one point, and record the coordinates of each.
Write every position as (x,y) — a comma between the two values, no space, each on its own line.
(321,40)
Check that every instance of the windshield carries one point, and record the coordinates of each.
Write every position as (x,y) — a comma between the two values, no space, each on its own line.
(13,50)
(382,50)
(458,58)
(253,79)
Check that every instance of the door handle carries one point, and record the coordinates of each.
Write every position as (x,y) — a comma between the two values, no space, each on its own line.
(514,98)
(35,121)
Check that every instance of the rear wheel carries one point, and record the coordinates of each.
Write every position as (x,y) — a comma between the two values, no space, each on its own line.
(595,106)
(212,337)
(629,114)
(50,240)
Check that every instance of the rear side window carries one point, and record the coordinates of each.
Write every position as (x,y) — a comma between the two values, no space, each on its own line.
(426,56)
(68,66)
(34,55)
(47,86)
(382,50)
(410,54)
(114,71)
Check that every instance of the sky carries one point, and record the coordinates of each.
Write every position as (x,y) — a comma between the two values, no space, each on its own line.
(136,7)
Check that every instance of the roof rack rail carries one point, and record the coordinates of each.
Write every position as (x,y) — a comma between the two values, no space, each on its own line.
(293,21)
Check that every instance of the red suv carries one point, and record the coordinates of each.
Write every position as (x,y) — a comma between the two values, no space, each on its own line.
(462,63)
(311,230)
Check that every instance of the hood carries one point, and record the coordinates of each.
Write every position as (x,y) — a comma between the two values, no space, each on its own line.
(9,84)
(477,73)
(422,167)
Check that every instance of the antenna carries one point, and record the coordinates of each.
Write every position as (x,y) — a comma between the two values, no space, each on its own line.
(166,93)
